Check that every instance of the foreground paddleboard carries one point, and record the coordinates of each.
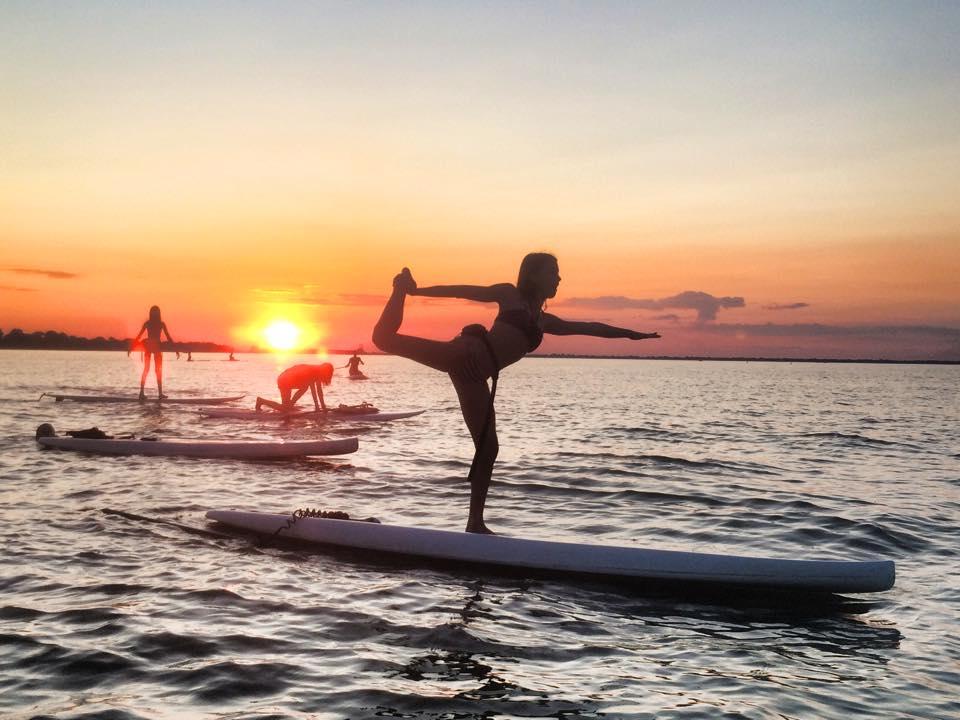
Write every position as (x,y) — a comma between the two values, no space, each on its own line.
(607,561)
(206,448)
(133,399)
(332,414)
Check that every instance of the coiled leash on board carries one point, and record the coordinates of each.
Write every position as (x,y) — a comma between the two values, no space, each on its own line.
(310,512)
(315,513)
(480,331)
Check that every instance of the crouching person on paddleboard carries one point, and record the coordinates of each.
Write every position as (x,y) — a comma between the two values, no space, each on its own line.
(294,382)
(478,354)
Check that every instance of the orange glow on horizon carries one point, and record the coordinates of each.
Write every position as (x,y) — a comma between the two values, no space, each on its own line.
(285,328)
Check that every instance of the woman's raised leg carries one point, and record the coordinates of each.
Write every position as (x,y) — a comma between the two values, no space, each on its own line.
(438,354)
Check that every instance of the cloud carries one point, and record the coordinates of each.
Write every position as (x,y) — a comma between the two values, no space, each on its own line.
(10,288)
(887,332)
(309,295)
(314,295)
(786,306)
(705,304)
(354,299)
(669,317)
(52,274)
(903,342)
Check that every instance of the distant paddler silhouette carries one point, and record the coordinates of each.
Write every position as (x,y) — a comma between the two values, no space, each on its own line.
(354,364)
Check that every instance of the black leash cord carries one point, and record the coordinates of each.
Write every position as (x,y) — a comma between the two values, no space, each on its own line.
(310,513)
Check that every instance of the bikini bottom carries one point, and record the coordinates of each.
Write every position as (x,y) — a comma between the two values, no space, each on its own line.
(476,360)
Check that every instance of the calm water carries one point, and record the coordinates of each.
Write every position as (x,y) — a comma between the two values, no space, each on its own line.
(104,615)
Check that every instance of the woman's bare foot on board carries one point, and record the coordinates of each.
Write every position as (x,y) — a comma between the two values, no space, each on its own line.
(480,529)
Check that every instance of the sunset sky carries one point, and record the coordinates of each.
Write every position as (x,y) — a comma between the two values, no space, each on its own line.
(746,178)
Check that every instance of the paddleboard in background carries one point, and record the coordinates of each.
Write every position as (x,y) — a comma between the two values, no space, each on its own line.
(565,558)
(237,449)
(133,399)
(332,414)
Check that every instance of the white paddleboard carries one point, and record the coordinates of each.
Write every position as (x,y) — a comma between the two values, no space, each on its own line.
(242,449)
(149,399)
(332,414)
(574,558)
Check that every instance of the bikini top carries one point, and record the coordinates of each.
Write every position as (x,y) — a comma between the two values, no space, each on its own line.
(523,321)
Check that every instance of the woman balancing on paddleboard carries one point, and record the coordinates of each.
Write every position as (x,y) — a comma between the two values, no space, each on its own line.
(153,327)
(477,354)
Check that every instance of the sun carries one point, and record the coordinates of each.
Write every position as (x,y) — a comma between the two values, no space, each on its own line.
(281,335)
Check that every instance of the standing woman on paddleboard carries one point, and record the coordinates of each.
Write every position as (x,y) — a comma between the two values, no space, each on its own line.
(477,354)
(153,327)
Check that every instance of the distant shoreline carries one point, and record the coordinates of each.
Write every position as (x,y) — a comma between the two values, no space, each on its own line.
(113,345)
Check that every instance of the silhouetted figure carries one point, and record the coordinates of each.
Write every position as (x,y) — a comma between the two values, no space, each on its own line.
(295,381)
(354,364)
(189,356)
(232,358)
(477,354)
(154,327)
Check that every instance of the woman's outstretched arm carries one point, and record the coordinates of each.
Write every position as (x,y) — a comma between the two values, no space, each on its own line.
(477,293)
(557,326)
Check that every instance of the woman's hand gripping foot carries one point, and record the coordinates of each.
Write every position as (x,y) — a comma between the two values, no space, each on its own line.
(404,282)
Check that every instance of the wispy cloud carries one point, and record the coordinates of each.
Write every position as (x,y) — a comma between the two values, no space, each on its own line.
(273,294)
(309,295)
(706,305)
(886,332)
(786,306)
(816,340)
(359,299)
(10,288)
(53,274)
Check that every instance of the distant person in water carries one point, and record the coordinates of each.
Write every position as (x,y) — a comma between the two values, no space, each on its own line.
(295,381)
(477,354)
(154,327)
(354,364)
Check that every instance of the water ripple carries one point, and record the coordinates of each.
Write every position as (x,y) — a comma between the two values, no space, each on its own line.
(143,610)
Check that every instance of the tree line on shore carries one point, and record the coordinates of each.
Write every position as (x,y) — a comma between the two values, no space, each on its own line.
(53,340)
